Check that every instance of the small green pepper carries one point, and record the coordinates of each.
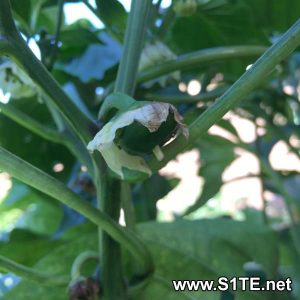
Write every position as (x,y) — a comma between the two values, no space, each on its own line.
(137,139)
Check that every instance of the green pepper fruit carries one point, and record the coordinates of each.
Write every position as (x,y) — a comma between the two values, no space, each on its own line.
(136,129)
(137,139)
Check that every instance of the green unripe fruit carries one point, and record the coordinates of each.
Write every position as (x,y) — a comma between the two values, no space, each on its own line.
(137,139)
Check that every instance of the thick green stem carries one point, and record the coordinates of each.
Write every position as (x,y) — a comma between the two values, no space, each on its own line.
(43,182)
(110,193)
(127,205)
(31,274)
(239,90)
(77,120)
(134,40)
(14,46)
(111,250)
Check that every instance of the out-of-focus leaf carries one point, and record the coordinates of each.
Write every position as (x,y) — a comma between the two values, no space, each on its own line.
(113,15)
(289,258)
(26,247)
(32,15)
(47,19)
(37,212)
(267,12)
(29,146)
(95,60)
(233,22)
(229,23)
(72,92)
(148,193)
(55,2)
(72,45)
(22,10)
(216,153)
(58,261)
(205,249)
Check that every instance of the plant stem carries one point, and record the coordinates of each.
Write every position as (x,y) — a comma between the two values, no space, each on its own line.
(112,33)
(32,274)
(196,59)
(247,176)
(112,279)
(65,137)
(185,98)
(290,202)
(77,120)
(14,46)
(127,205)
(31,124)
(43,182)
(91,8)
(57,34)
(259,153)
(79,150)
(239,90)
(167,18)
(110,191)
(134,38)
(80,260)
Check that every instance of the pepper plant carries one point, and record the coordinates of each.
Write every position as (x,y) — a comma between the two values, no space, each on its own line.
(113,121)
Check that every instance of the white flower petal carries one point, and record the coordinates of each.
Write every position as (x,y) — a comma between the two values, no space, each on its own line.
(15,81)
(153,55)
(151,115)
(117,159)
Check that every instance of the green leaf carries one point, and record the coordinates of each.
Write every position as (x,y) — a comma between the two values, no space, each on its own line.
(145,196)
(47,19)
(37,212)
(94,62)
(22,10)
(272,15)
(231,22)
(29,146)
(74,46)
(26,247)
(205,249)
(113,15)
(228,22)
(58,261)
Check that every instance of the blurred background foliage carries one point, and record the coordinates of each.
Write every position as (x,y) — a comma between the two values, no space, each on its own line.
(220,200)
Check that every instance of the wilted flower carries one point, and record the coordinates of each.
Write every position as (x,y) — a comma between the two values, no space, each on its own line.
(15,81)
(153,55)
(152,116)
(84,289)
